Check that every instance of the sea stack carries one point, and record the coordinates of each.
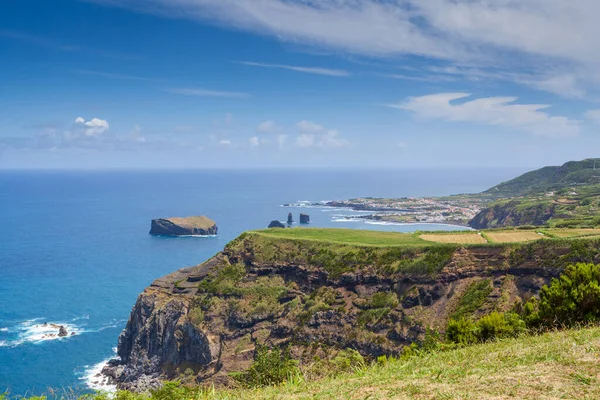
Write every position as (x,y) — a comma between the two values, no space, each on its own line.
(290,219)
(276,224)
(304,218)
(201,226)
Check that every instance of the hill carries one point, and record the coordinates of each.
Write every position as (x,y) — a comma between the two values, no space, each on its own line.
(321,291)
(547,179)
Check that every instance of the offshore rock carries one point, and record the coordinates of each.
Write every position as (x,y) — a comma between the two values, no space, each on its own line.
(201,226)
(304,218)
(276,224)
(62,331)
(290,219)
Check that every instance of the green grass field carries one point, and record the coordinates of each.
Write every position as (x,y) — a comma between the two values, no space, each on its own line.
(346,236)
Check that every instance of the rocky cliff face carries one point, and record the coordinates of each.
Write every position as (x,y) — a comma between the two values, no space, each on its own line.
(202,323)
(513,213)
(183,226)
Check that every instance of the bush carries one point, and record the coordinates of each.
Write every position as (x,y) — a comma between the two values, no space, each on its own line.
(461,331)
(348,360)
(492,326)
(270,367)
(573,298)
(499,325)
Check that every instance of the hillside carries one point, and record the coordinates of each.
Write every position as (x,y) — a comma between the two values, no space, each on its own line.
(319,291)
(547,179)
(555,365)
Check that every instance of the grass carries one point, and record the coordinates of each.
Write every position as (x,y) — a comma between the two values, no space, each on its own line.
(193,222)
(346,236)
(572,232)
(555,365)
(515,236)
(462,238)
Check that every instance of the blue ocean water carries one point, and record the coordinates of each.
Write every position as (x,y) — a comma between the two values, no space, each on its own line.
(75,248)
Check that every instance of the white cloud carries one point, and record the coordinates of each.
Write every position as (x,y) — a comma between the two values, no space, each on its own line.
(268,127)
(206,93)
(315,135)
(225,142)
(593,115)
(95,126)
(254,141)
(402,145)
(499,111)
(309,70)
(534,35)
(309,126)
(305,140)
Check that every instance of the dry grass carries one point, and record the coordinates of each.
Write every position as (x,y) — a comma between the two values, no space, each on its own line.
(458,238)
(513,236)
(557,365)
(193,222)
(573,232)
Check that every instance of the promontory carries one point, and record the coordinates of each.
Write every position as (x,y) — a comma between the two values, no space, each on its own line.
(176,226)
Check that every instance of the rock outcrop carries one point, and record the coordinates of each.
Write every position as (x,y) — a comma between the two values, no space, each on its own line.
(62,331)
(201,323)
(276,224)
(290,219)
(201,226)
(304,218)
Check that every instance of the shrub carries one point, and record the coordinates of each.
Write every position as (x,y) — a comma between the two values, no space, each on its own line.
(461,331)
(270,367)
(473,298)
(348,360)
(499,325)
(573,298)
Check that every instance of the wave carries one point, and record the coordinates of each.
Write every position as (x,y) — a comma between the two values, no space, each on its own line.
(93,378)
(197,236)
(34,331)
(3,329)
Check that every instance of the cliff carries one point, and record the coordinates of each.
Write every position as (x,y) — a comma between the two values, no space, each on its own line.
(183,226)
(514,213)
(202,323)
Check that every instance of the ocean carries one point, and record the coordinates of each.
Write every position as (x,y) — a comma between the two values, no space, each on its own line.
(75,249)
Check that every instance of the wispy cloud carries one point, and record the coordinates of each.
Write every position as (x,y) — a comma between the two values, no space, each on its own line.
(110,75)
(206,93)
(309,70)
(56,45)
(493,111)
(540,35)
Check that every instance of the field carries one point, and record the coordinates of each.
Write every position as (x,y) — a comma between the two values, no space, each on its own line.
(572,232)
(346,236)
(515,236)
(454,238)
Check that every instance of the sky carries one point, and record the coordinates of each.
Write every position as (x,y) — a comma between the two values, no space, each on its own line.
(93,84)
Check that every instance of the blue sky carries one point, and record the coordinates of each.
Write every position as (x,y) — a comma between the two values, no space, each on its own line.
(291,83)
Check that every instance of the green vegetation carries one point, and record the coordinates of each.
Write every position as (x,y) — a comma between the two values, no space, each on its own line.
(270,367)
(346,236)
(572,173)
(473,298)
(573,298)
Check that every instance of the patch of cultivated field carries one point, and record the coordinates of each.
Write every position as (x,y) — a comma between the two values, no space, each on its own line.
(513,236)
(456,238)
(572,232)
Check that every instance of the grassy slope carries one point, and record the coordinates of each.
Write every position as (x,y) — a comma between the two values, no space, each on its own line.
(551,366)
(346,236)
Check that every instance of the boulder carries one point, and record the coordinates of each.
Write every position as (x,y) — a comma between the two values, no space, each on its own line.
(290,219)
(62,331)
(304,219)
(276,224)
(201,225)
